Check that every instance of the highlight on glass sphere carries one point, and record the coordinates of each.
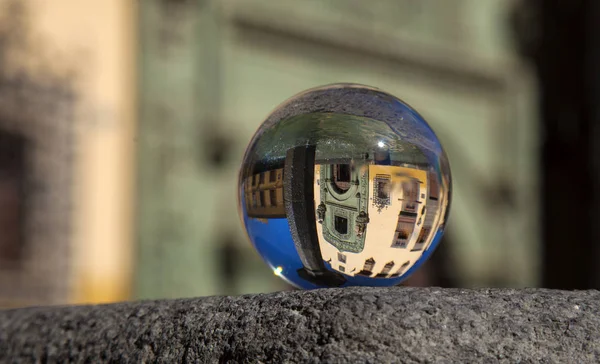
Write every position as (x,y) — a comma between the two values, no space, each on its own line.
(344,185)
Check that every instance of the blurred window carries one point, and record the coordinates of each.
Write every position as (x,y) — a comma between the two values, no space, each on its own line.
(12,166)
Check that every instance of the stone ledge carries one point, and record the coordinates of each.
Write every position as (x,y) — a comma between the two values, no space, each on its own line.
(369,325)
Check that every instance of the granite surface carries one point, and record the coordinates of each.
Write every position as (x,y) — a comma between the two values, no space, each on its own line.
(350,325)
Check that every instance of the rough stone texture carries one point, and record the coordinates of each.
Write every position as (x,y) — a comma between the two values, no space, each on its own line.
(364,325)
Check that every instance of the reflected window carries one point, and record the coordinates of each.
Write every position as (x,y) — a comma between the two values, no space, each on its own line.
(386,269)
(422,239)
(341,177)
(367,268)
(404,229)
(262,198)
(434,188)
(401,269)
(341,258)
(383,190)
(341,224)
(382,185)
(401,239)
(424,235)
(410,191)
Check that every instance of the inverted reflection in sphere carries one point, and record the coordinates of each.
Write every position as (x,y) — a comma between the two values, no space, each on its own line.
(344,185)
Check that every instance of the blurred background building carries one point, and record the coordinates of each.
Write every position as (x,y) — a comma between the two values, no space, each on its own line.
(123,124)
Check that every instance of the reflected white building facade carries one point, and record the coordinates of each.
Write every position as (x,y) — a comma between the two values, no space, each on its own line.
(263,194)
(403,207)
(371,220)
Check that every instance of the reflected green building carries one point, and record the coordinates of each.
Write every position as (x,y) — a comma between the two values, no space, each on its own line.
(344,192)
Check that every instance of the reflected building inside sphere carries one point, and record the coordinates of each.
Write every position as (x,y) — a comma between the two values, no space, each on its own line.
(263,195)
(344,185)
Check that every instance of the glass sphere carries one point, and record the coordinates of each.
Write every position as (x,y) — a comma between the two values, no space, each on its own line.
(344,185)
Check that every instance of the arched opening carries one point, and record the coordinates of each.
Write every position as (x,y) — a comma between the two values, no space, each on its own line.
(341,176)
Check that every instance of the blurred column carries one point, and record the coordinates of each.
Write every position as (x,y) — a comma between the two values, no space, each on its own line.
(176,254)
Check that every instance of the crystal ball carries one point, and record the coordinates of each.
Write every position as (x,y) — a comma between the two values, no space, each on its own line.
(344,185)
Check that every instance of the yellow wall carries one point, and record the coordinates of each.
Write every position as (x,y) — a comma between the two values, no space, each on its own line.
(98,38)
(382,225)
